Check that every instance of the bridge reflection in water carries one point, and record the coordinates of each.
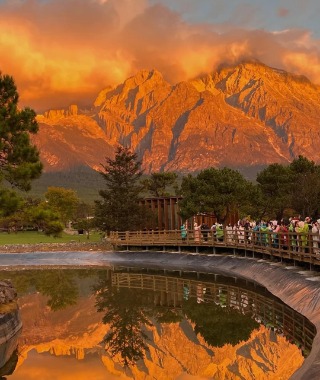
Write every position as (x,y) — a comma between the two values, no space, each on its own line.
(294,247)
(248,298)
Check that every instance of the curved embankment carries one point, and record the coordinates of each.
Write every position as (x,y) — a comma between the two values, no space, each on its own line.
(294,286)
(297,288)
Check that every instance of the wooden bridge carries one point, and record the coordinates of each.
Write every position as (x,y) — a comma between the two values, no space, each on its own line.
(292,247)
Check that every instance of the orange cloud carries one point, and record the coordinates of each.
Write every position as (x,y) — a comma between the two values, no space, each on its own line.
(63,52)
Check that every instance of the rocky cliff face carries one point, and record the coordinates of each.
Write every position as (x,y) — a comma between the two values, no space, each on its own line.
(68,140)
(249,114)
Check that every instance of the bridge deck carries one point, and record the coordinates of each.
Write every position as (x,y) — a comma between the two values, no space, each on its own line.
(294,247)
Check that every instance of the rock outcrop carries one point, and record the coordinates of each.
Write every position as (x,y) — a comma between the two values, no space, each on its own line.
(8,293)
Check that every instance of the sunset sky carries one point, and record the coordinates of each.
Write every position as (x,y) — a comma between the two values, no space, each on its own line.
(62,52)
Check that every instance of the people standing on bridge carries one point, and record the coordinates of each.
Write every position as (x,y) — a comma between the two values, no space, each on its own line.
(293,226)
(229,234)
(316,236)
(184,232)
(196,233)
(303,230)
(265,231)
(256,237)
(240,231)
(213,231)
(205,231)
(308,221)
(283,234)
(219,232)
(247,231)
(275,235)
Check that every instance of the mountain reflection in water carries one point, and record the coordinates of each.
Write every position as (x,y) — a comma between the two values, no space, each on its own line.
(129,323)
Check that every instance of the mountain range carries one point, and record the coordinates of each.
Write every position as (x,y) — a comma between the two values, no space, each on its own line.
(247,115)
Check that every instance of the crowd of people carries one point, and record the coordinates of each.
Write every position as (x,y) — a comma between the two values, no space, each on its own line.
(297,234)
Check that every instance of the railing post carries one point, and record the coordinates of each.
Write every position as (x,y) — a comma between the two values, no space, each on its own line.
(310,245)
(245,236)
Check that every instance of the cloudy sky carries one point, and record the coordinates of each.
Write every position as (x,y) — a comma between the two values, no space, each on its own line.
(65,51)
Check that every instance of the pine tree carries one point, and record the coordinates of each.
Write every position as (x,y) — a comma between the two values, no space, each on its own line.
(119,210)
(19,159)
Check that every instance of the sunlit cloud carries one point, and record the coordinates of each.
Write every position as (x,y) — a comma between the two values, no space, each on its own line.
(297,61)
(63,52)
(283,12)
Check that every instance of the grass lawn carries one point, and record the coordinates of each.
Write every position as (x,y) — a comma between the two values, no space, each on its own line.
(34,237)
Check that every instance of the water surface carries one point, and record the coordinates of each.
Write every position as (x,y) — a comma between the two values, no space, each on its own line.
(153,324)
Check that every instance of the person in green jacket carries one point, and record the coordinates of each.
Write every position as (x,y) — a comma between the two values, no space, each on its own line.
(264,233)
(219,232)
(303,231)
(293,237)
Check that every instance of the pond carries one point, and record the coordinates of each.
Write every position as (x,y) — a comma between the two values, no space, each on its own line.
(131,323)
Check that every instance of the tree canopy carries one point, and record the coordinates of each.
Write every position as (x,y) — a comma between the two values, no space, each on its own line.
(275,183)
(63,201)
(305,189)
(290,188)
(157,184)
(213,190)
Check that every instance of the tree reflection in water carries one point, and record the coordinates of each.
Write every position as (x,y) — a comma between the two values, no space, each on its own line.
(126,318)
(219,326)
(128,311)
(60,286)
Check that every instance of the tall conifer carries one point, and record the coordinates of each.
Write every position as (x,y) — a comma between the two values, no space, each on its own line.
(119,208)
(19,159)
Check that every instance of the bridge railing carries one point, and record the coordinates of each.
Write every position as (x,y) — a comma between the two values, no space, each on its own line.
(291,245)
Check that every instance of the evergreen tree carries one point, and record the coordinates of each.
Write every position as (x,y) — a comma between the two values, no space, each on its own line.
(305,191)
(19,159)
(119,208)
(275,183)
(220,191)
(157,184)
